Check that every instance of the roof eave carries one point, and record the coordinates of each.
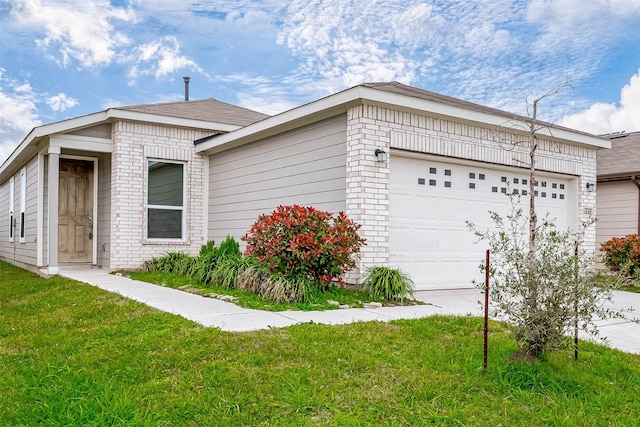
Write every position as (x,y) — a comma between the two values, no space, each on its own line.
(23,152)
(115,113)
(340,102)
(618,176)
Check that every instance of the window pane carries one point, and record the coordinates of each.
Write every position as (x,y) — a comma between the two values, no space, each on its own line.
(164,224)
(165,183)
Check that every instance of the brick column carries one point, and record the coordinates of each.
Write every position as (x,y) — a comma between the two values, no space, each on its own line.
(587,204)
(367,198)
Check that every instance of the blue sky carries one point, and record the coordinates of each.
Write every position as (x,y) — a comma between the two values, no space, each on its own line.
(64,58)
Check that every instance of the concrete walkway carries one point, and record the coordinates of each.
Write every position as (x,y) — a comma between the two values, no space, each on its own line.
(621,334)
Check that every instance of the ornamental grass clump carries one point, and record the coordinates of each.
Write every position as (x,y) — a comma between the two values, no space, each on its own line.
(305,243)
(205,267)
(391,284)
(229,268)
(172,262)
(273,286)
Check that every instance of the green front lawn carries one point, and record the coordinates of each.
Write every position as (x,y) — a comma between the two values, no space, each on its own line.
(72,354)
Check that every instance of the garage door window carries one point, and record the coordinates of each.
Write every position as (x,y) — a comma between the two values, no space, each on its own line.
(165,200)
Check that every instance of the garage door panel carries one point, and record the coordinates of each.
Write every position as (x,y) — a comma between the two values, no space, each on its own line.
(456,242)
(430,203)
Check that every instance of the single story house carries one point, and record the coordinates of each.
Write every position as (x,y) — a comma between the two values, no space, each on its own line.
(618,195)
(411,166)
(94,189)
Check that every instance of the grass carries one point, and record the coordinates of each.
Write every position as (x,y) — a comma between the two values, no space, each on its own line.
(632,287)
(627,285)
(72,354)
(316,301)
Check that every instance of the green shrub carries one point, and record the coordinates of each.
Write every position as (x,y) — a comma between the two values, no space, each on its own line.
(225,266)
(202,268)
(299,241)
(389,283)
(205,267)
(545,299)
(207,248)
(229,248)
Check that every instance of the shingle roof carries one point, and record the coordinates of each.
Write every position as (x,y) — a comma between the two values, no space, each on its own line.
(210,110)
(401,89)
(624,156)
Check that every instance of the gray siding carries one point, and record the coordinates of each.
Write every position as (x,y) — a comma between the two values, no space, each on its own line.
(104,209)
(21,253)
(6,248)
(45,214)
(306,166)
(616,210)
(99,131)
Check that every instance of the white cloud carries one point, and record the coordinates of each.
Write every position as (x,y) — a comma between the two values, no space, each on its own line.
(159,58)
(603,118)
(494,52)
(266,105)
(577,23)
(80,31)
(18,113)
(269,96)
(347,44)
(61,102)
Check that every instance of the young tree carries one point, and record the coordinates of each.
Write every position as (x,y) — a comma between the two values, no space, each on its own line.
(541,282)
(547,299)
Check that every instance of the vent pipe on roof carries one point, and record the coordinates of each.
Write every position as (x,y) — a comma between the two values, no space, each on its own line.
(186,87)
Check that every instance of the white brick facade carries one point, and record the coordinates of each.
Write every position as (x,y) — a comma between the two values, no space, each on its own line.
(133,144)
(367,188)
(371,127)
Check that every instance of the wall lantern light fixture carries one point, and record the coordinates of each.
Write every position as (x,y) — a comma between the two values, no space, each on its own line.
(381,155)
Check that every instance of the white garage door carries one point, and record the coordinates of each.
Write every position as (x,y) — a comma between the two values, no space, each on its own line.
(430,202)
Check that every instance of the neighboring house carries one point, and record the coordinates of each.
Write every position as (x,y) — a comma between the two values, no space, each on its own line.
(618,195)
(444,161)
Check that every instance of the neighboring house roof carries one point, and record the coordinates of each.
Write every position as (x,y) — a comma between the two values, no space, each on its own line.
(210,114)
(622,160)
(397,96)
(209,110)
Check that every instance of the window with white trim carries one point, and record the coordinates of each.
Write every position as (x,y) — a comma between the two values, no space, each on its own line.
(12,195)
(165,200)
(23,204)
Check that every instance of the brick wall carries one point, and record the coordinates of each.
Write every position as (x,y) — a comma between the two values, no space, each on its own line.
(368,187)
(133,144)
(370,127)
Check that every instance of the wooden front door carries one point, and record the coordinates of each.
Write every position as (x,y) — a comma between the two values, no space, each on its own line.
(75,211)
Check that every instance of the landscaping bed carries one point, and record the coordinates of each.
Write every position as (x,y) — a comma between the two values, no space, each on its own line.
(333,298)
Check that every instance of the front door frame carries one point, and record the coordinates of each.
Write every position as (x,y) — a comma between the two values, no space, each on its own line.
(94,226)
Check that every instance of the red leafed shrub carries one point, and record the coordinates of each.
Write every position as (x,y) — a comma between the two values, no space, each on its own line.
(622,254)
(297,240)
